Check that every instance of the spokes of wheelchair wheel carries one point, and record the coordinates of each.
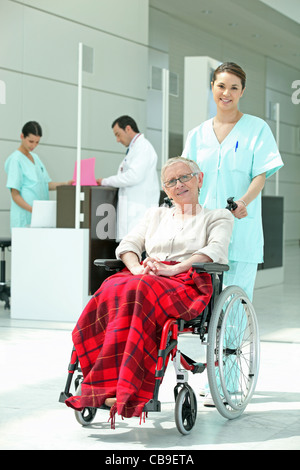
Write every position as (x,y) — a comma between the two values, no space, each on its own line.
(236,354)
(234,348)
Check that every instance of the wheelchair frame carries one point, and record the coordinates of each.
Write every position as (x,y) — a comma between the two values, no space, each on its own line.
(228,327)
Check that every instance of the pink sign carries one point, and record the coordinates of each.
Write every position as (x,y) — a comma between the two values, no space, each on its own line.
(87,172)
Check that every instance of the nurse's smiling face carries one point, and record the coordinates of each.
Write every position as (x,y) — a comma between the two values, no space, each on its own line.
(227,90)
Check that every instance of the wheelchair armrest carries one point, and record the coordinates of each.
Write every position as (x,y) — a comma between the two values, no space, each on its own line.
(110,264)
(210,267)
(115,264)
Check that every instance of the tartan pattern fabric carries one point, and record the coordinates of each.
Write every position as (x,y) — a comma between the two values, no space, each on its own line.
(118,335)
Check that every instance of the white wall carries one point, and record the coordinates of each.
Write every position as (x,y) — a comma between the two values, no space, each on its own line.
(278,90)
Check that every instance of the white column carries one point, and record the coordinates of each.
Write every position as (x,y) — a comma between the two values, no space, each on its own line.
(165,117)
(78,175)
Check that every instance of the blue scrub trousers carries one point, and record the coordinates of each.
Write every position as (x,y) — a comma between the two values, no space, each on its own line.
(242,275)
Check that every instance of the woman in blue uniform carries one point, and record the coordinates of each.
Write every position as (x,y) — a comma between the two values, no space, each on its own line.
(236,153)
(27,177)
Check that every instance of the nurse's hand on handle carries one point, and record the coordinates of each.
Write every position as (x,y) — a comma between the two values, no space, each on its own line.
(238,208)
(256,186)
(241,211)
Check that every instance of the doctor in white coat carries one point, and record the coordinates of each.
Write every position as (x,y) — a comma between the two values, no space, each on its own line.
(137,177)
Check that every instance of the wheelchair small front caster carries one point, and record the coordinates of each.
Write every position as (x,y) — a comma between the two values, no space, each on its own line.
(185,409)
(87,415)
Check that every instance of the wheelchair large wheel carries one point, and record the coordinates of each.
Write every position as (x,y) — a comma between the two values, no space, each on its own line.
(185,409)
(232,352)
(87,415)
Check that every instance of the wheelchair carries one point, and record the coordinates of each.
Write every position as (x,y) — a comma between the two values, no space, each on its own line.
(228,329)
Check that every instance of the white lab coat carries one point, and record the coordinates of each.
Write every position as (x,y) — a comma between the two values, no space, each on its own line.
(138,184)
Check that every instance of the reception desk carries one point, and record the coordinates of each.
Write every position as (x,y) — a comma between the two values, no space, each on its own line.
(98,208)
(50,273)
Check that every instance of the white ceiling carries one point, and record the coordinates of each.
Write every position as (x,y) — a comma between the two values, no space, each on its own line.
(289,8)
(252,24)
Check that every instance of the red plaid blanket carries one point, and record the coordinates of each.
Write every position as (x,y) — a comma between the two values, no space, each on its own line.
(118,334)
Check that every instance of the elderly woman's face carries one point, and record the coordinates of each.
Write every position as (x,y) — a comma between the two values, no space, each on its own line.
(182,192)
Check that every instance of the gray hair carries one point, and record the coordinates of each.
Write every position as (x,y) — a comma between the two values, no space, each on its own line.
(193,165)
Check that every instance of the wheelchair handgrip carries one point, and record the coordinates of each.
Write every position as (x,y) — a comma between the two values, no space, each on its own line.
(231,205)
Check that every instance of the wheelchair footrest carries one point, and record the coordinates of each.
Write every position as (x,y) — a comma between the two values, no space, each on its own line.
(194,367)
(152,405)
(64,396)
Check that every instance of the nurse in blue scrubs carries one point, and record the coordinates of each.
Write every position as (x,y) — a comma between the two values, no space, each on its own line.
(27,177)
(236,152)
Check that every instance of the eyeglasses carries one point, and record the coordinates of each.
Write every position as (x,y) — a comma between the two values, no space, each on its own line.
(182,179)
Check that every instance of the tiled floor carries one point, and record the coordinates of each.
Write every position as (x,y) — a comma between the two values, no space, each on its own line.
(34,357)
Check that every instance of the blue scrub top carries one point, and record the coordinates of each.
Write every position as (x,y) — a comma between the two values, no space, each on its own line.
(247,151)
(30,179)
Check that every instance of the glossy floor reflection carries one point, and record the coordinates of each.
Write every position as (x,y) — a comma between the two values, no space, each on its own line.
(34,357)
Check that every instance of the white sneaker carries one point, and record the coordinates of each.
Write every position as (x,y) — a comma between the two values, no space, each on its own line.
(208,401)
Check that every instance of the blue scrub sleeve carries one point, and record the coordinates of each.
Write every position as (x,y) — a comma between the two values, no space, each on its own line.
(14,175)
(267,158)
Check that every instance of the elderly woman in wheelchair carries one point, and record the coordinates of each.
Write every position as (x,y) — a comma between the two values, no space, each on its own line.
(128,330)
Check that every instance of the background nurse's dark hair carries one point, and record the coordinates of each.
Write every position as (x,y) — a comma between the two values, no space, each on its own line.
(32,127)
(233,68)
(124,121)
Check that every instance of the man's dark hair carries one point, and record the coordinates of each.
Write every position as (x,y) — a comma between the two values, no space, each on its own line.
(124,121)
